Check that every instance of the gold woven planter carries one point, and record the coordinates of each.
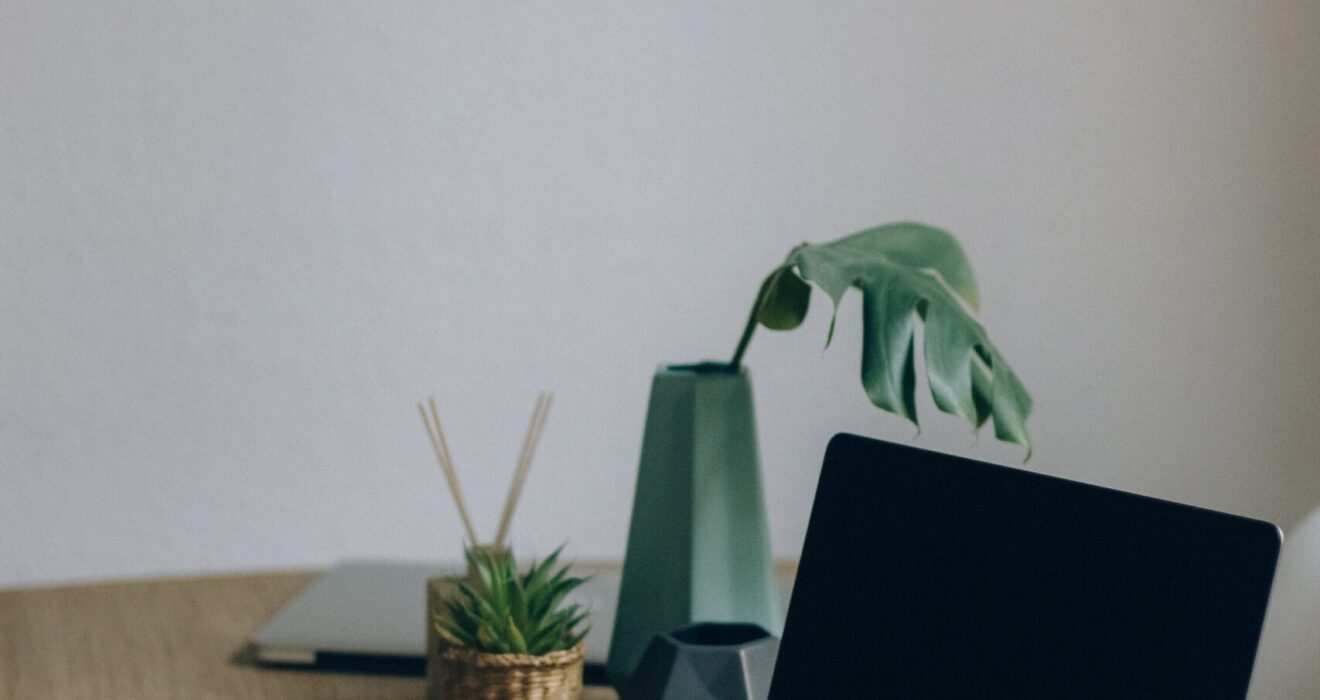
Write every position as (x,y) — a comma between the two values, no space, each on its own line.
(462,673)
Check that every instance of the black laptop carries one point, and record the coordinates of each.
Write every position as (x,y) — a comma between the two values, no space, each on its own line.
(931,576)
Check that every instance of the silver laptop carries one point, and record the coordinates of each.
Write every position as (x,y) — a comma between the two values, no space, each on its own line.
(371,616)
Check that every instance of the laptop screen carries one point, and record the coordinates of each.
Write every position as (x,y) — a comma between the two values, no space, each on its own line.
(925,575)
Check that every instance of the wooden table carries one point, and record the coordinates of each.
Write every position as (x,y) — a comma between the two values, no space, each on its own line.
(168,639)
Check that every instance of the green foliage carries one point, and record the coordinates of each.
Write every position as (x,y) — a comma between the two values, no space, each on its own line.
(505,613)
(906,272)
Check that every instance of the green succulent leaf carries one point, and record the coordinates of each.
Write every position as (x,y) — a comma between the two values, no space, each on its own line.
(519,614)
(455,634)
(515,637)
(540,573)
(907,272)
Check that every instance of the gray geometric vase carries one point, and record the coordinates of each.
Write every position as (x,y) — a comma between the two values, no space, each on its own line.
(698,546)
(707,661)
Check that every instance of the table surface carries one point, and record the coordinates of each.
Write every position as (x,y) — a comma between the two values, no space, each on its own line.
(168,638)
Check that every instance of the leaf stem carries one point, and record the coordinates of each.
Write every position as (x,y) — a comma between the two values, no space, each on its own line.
(736,363)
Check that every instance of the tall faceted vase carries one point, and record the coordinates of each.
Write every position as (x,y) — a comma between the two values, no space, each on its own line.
(698,548)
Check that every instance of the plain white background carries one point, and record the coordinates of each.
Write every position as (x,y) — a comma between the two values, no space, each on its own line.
(240,240)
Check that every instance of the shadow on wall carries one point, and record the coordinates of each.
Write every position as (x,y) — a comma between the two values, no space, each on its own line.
(1298,151)
(1288,660)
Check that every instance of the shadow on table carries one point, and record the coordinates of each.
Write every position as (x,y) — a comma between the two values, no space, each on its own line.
(374,665)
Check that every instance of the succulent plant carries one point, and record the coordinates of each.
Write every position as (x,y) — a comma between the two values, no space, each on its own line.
(503,612)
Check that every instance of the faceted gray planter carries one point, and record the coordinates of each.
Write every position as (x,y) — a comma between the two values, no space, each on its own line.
(706,661)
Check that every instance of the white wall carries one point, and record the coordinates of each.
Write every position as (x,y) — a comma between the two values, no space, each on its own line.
(240,240)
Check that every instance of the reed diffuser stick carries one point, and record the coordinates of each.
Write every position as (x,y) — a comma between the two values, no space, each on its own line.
(441,447)
(524,463)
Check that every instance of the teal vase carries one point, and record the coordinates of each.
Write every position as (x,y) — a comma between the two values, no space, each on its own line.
(698,548)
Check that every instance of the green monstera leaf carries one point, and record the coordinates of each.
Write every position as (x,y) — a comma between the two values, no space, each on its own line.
(906,272)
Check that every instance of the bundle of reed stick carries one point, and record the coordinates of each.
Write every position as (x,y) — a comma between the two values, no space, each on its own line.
(431,419)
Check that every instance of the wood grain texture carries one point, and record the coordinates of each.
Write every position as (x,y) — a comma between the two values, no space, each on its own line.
(166,639)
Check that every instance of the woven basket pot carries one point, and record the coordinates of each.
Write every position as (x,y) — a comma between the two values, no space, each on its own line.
(472,675)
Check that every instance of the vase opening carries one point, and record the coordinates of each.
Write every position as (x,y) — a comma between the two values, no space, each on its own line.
(720,634)
(707,367)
